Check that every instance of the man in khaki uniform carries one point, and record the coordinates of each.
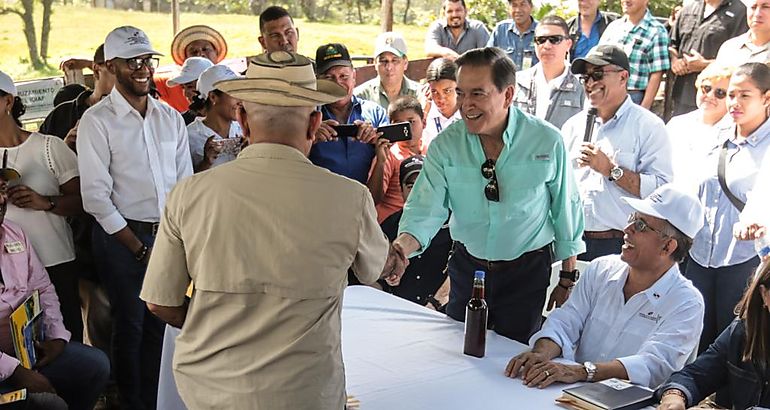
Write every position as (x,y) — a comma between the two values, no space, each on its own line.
(267,240)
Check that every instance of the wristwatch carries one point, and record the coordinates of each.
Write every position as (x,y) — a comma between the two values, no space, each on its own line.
(51,203)
(433,301)
(590,371)
(616,173)
(572,275)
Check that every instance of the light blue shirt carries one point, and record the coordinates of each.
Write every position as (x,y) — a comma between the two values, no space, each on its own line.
(652,333)
(714,246)
(539,202)
(637,140)
(507,37)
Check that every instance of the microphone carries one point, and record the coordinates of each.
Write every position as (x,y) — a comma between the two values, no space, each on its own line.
(590,120)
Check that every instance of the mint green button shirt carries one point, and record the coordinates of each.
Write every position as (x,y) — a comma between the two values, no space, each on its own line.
(539,200)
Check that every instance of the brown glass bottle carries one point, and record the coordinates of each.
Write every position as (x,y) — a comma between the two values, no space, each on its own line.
(476,319)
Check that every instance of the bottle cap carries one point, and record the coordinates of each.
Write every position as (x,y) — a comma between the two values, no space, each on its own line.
(479,274)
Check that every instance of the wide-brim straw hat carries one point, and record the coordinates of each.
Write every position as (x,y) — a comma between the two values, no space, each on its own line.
(283,79)
(193,33)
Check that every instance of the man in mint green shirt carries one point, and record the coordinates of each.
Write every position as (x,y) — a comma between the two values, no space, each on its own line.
(505,179)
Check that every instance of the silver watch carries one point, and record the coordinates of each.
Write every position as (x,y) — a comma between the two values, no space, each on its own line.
(616,173)
(590,371)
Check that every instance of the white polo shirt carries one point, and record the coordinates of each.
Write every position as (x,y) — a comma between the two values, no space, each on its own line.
(129,163)
(652,334)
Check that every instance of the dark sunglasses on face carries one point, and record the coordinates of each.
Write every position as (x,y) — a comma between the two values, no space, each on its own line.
(555,39)
(720,93)
(491,191)
(640,225)
(137,63)
(596,75)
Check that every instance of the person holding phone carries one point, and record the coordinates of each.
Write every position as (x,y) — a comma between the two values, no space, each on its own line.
(383,180)
(215,138)
(334,149)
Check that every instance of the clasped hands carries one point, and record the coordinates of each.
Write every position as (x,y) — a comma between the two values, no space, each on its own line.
(536,370)
(395,264)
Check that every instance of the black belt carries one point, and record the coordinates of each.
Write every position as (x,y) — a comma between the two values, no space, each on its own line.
(611,234)
(501,263)
(143,228)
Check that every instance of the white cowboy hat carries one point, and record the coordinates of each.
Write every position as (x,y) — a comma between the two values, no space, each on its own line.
(283,79)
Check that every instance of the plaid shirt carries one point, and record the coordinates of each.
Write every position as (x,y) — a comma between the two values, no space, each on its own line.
(646,45)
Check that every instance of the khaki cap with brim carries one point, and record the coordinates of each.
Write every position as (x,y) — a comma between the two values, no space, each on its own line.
(282,79)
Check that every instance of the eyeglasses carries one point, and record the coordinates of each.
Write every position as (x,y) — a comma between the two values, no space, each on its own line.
(137,63)
(720,93)
(491,191)
(640,225)
(555,39)
(596,75)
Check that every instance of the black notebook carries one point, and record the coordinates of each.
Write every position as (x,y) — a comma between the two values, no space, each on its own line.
(611,394)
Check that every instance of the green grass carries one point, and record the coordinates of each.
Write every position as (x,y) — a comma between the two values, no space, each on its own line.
(78,30)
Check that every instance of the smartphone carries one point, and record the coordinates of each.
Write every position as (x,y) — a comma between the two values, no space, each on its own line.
(401,131)
(231,145)
(346,130)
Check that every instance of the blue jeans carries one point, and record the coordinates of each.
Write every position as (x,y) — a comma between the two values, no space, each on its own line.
(636,96)
(722,289)
(137,335)
(79,376)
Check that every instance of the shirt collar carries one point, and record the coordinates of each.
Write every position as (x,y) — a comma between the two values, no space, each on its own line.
(273,151)
(531,28)
(557,82)
(753,139)
(514,114)
(746,42)
(122,107)
(658,290)
(621,111)
(644,23)
(596,20)
(404,86)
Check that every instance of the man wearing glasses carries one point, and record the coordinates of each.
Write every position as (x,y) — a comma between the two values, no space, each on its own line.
(504,177)
(549,90)
(132,150)
(621,150)
(390,61)
(632,316)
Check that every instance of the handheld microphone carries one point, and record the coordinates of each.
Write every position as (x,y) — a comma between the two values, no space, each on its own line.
(590,120)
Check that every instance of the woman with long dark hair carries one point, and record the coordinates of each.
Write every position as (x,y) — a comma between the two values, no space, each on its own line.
(43,191)
(739,359)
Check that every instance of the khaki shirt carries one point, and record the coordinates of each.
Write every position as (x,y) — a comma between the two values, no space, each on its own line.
(267,240)
(740,50)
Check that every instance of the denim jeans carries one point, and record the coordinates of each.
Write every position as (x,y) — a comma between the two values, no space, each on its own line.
(722,289)
(79,376)
(137,335)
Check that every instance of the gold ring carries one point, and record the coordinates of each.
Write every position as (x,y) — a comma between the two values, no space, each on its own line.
(547,373)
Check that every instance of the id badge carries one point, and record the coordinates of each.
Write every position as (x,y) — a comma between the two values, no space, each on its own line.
(526,62)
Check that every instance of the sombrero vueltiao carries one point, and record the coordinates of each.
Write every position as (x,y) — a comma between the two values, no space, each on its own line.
(282,79)
(199,32)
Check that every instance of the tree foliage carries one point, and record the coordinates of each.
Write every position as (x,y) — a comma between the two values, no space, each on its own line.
(37,56)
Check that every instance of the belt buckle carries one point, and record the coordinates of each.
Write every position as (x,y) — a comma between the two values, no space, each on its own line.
(155,227)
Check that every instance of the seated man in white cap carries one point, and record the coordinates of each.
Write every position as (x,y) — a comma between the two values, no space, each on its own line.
(275,340)
(390,61)
(631,316)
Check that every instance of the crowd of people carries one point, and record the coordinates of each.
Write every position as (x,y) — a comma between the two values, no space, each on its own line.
(210,197)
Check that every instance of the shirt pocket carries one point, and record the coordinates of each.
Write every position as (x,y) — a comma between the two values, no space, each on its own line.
(626,160)
(525,182)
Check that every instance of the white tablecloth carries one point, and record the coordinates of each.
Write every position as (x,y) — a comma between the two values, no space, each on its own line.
(399,355)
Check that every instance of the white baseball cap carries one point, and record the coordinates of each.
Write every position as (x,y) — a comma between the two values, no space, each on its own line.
(7,85)
(391,42)
(127,42)
(211,76)
(680,209)
(191,70)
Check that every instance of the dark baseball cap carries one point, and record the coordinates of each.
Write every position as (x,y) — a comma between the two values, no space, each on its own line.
(410,166)
(600,56)
(99,55)
(331,55)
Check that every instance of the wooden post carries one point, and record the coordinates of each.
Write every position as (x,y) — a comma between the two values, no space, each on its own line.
(175,15)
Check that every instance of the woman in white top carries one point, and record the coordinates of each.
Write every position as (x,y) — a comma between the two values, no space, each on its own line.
(694,135)
(217,137)
(442,108)
(43,191)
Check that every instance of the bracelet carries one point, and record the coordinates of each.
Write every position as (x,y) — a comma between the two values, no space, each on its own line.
(565,287)
(141,253)
(675,392)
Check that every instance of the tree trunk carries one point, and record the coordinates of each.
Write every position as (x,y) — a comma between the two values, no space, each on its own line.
(406,11)
(29,33)
(360,14)
(386,15)
(308,8)
(45,30)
